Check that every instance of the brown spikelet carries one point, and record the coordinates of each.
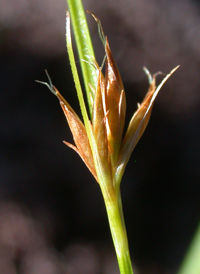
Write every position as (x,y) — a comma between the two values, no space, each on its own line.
(115,103)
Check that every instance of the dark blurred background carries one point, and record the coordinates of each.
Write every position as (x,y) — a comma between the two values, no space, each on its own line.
(52,216)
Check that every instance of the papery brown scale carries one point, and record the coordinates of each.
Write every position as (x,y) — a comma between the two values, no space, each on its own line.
(98,120)
(115,102)
(137,125)
(141,118)
(79,134)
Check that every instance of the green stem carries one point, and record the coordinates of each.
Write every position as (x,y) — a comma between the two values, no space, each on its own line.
(191,262)
(84,47)
(118,231)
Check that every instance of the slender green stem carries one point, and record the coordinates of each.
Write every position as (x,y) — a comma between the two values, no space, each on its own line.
(118,231)
(84,46)
(191,262)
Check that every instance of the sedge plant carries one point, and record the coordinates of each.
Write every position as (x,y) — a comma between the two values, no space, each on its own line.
(100,139)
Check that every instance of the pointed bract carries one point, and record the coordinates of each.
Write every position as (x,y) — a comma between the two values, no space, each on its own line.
(136,128)
(138,125)
(115,104)
(79,134)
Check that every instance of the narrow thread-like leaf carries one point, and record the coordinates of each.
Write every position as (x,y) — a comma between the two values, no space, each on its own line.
(75,75)
(84,46)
